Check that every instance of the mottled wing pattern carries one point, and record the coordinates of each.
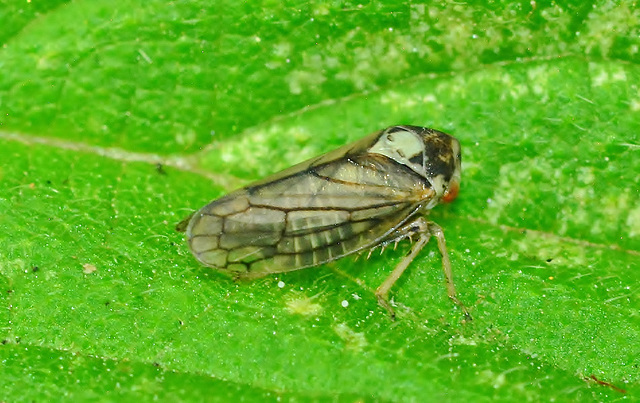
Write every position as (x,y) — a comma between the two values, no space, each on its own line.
(310,214)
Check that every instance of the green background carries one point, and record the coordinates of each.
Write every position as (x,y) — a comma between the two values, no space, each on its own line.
(101,299)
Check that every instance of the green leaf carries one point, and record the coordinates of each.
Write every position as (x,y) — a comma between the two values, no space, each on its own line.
(118,120)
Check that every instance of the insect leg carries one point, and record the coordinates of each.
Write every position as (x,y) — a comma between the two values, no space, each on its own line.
(424,230)
(436,231)
(382,292)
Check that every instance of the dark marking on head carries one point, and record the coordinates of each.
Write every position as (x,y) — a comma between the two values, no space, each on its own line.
(439,154)
(416,159)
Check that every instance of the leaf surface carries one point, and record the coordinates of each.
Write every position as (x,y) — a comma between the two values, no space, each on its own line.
(117,121)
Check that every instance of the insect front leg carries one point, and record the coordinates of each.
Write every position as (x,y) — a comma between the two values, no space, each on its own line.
(424,230)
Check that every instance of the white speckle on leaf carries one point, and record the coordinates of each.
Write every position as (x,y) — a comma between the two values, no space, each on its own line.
(252,149)
(353,340)
(586,175)
(185,136)
(606,23)
(606,74)
(300,80)
(299,304)
(429,98)
(539,81)
(544,247)
(633,222)
(321,9)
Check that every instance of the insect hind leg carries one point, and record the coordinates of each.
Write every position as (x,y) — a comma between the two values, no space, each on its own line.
(424,230)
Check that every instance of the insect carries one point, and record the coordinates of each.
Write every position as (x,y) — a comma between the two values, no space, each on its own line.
(374,192)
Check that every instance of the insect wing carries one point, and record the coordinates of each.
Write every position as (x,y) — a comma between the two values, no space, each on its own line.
(312,213)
